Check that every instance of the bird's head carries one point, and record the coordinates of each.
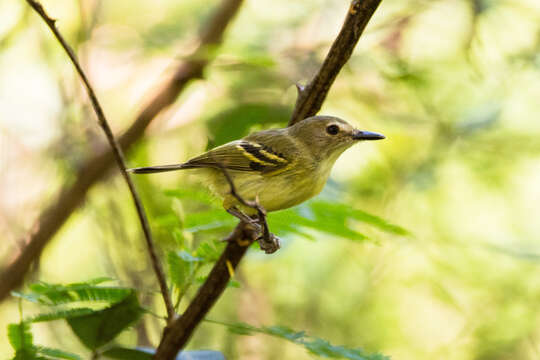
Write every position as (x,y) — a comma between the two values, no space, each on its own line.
(328,136)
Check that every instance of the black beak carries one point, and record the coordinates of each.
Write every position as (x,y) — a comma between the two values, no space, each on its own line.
(367,135)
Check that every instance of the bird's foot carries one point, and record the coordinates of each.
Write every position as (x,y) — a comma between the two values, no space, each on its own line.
(269,244)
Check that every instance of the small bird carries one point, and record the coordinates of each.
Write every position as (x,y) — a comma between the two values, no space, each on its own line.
(277,168)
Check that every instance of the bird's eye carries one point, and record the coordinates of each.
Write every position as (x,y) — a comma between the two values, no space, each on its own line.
(332,129)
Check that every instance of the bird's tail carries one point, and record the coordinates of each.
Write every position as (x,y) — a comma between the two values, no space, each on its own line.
(157,169)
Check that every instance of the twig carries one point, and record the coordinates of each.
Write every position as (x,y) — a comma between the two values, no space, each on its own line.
(118,155)
(96,165)
(176,334)
(311,96)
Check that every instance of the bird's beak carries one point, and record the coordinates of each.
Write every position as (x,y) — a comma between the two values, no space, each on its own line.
(366,135)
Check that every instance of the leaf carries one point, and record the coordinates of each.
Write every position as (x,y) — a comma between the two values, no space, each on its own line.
(122,353)
(325,210)
(100,327)
(325,349)
(56,294)
(96,281)
(313,344)
(21,339)
(93,327)
(293,222)
(181,266)
(207,220)
(208,251)
(57,353)
(19,336)
(286,333)
(60,314)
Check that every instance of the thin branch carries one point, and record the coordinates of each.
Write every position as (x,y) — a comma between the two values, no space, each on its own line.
(311,96)
(96,165)
(176,334)
(118,156)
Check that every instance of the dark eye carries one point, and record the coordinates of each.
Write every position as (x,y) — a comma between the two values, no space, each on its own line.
(332,129)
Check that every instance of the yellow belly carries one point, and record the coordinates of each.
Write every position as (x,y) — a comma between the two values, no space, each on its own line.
(274,192)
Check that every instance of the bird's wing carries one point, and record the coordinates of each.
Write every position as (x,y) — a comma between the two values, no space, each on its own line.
(241,155)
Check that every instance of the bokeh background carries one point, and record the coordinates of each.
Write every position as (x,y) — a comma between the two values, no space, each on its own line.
(453,84)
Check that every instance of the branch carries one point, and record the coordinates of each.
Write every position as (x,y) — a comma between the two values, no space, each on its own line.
(311,97)
(95,166)
(118,157)
(176,334)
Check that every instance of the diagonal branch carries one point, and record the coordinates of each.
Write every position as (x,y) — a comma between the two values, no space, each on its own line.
(177,333)
(311,97)
(118,157)
(96,165)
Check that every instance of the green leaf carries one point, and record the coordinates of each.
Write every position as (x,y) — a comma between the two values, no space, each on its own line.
(325,210)
(208,220)
(57,353)
(100,327)
(313,344)
(291,221)
(21,340)
(208,251)
(127,354)
(56,294)
(60,314)
(97,281)
(323,348)
(19,336)
(181,266)
(94,327)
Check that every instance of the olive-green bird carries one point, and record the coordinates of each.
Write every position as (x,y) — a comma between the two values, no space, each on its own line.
(278,168)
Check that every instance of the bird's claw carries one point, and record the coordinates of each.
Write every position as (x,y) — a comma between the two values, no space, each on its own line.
(269,245)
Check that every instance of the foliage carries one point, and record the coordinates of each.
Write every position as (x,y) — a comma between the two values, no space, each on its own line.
(117,308)
(21,339)
(332,218)
(314,345)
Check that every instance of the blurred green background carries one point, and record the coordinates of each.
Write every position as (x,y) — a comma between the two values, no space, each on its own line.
(453,84)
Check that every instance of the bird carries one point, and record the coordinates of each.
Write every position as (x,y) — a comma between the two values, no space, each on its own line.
(276,168)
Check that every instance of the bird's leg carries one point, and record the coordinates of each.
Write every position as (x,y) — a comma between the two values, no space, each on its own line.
(234,211)
(267,241)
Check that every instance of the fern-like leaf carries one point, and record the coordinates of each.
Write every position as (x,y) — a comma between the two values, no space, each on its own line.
(313,344)
(57,294)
